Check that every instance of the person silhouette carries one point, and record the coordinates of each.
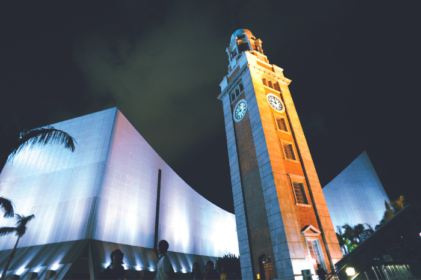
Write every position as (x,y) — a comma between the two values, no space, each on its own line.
(321,272)
(211,273)
(116,269)
(196,273)
(165,270)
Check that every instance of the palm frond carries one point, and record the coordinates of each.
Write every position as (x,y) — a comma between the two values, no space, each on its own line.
(23,220)
(7,230)
(21,223)
(42,136)
(7,206)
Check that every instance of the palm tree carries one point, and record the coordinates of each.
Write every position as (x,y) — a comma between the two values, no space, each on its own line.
(358,231)
(350,233)
(19,231)
(352,236)
(14,143)
(392,208)
(398,204)
(7,206)
(368,231)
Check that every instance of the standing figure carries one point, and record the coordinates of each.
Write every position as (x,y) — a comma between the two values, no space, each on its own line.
(211,273)
(321,272)
(196,273)
(115,270)
(224,274)
(165,269)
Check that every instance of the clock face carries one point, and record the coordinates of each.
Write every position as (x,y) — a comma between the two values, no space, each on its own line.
(275,102)
(240,110)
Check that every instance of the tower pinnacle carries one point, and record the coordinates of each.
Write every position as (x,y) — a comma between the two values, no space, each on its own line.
(243,40)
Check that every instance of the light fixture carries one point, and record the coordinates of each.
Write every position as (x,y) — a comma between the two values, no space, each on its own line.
(55,266)
(20,270)
(350,271)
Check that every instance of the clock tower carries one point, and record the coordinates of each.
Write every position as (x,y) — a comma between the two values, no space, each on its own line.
(283,224)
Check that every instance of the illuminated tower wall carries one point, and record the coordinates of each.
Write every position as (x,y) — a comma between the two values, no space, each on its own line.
(283,223)
(107,190)
(356,195)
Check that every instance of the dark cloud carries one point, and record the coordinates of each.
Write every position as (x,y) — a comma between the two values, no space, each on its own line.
(155,76)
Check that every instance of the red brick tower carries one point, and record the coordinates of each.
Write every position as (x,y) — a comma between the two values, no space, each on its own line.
(283,223)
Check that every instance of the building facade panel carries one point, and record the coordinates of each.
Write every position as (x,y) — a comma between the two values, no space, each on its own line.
(107,190)
(356,195)
(56,185)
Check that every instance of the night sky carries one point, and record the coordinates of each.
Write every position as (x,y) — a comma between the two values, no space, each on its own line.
(354,66)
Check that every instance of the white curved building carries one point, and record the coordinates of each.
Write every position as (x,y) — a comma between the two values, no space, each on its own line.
(356,195)
(104,196)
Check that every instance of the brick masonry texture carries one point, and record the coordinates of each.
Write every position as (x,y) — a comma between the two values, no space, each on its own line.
(269,221)
(257,221)
(240,217)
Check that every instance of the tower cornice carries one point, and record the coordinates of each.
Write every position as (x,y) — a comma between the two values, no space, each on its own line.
(253,65)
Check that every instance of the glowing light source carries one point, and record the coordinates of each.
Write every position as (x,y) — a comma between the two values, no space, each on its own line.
(138,267)
(350,271)
(55,266)
(20,270)
(37,269)
(151,269)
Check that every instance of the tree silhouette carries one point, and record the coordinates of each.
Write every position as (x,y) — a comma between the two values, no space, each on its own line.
(7,206)
(341,239)
(392,209)
(352,236)
(232,265)
(19,231)
(368,231)
(15,142)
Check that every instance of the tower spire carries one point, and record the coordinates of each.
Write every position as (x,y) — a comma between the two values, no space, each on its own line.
(243,40)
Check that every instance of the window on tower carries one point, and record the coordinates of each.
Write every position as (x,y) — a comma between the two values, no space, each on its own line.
(276,86)
(289,151)
(237,91)
(270,84)
(232,96)
(243,47)
(241,86)
(264,82)
(281,123)
(233,54)
(300,195)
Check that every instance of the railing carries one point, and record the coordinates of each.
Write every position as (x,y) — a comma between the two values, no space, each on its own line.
(380,272)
